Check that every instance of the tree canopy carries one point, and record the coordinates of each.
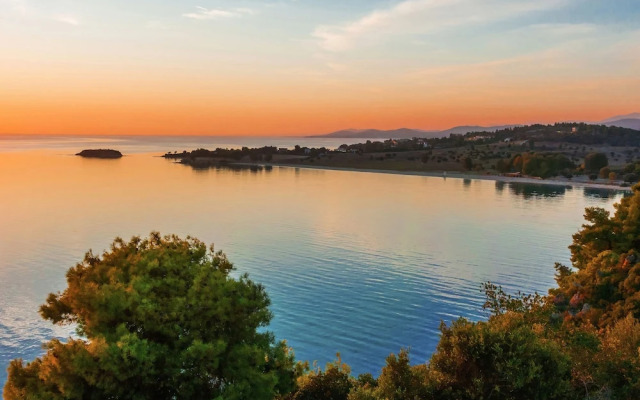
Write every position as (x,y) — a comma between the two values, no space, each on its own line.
(595,161)
(158,318)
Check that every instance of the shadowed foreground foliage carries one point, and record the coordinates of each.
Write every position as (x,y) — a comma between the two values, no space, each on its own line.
(164,321)
(159,318)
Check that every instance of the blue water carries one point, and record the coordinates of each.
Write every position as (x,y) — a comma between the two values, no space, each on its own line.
(357,263)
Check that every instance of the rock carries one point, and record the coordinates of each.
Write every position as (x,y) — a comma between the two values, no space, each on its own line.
(100,153)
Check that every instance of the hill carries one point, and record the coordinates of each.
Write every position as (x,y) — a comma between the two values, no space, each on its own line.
(620,117)
(407,133)
(630,123)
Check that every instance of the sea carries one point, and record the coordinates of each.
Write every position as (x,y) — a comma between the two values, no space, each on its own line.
(358,263)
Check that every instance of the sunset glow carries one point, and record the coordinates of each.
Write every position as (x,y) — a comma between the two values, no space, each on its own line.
(221,67)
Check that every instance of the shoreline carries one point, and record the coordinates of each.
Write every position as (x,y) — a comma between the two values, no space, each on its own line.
(460,175)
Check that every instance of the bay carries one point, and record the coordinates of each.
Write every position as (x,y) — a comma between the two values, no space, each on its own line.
(357,263)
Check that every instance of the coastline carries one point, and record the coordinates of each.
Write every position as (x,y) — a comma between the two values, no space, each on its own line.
(460,175)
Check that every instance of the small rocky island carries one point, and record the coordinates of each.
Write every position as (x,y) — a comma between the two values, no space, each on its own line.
(100,153)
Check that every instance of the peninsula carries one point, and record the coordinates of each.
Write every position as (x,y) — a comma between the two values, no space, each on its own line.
(564,153)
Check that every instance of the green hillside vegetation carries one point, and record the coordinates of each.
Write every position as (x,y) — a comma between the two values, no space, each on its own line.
(160,318)
(544,165)
(543,151)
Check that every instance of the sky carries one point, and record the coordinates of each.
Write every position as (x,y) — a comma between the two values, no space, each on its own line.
(297,67)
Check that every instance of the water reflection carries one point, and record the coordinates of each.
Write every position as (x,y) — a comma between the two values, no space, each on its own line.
(206,165)
(532,190)
(601,193)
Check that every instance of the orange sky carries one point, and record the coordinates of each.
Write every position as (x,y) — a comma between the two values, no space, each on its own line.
(277,71)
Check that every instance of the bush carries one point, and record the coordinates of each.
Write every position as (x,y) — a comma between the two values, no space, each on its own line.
(500,359)
(544,165)
(334,383)
(595,161)
(631,178)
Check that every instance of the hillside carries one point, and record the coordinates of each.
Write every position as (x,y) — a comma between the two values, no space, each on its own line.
(406,133)
(620,117)
(630,123)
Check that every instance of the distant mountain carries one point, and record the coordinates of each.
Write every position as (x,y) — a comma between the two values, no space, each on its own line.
(402,133)
(463,130)
(631,123)
(620,117)
(406,133)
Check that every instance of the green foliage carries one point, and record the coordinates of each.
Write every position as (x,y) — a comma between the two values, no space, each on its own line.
(363,393)
(604,172)
(400,381)
(503,358)
(499,302)
(162,319)
(502,165)
(618,363)
(543,165)
(605,285)
(593,162)
(334,383)
(467,163)
(631,177)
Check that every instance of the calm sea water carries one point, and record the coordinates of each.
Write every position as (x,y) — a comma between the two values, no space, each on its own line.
(358,263)
(160,144)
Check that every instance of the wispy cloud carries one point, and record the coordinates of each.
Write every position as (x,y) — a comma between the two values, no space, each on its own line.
(424,17)
(18,7)
(214,13)
(66,19)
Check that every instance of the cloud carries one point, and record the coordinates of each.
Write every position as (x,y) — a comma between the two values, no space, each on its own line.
(424,17)
(213,13)
(18,7)
(66,19)
(564,29)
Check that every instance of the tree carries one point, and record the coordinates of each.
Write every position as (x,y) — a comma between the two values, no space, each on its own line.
(334,383)
(159,318)
(467,163)
(618,364)
(604,172)
(593,162)
(503,358)
(604,285)
(400,381)
(502,165)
